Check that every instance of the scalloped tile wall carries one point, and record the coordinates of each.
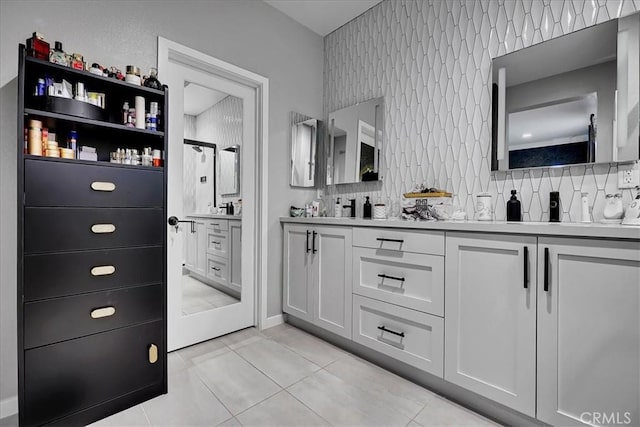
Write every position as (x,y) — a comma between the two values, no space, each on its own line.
(431,61)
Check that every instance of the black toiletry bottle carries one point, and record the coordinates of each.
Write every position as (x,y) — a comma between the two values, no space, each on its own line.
(554,206)
(366,209)
(514,209)
(353,207)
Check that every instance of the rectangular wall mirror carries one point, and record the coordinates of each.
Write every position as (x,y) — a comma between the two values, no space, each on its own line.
(355,142)
(569,100)
(304,149)
(230,171)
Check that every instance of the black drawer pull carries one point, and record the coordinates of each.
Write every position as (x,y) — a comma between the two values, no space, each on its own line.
(384,276)
(308,232)
(382,239)
(215,268)
(546,269)
(400,334)
(526,267)
(215,243)
(313,244)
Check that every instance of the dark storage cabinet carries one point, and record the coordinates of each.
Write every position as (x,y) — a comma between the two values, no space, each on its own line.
(91,260)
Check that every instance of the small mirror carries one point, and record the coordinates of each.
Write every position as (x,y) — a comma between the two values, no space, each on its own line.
(355,143)
(570,100)
(304,147)
(230,171)
(199,172)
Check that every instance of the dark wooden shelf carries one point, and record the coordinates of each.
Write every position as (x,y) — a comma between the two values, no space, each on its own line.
(90,162)
(99,123)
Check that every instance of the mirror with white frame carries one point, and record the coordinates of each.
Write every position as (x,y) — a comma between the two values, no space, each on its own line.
(569,100)
(355,140)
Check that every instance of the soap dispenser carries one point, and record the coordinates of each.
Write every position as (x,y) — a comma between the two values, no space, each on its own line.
(337,209)
(366,209)
(514,208)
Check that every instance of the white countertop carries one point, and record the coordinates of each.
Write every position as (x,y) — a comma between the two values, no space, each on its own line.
(593,230)
(216,216)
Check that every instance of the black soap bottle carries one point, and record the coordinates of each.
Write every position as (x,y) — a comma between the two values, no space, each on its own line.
(366,209)
(554,206)
(514,209)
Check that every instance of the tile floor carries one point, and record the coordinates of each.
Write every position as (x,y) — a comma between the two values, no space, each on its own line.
(197,296)
(286,377)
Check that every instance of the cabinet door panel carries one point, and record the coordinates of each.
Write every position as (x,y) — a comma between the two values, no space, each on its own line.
(297,293)
(201,247)
(589,331)
(332,272)
(490,334)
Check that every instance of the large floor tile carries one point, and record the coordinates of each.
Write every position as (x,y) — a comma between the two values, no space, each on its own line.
(188,403)
(312,348)
(241,338)
(231,422)
(278,362)
(405,396)
(343,404)
(280,410)
(235,381)
(175,363)
(441,412)
(132,417)
(202,351)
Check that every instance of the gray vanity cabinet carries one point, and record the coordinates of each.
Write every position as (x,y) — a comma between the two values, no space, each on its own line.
(317,276)
(588,331)
(196,241)
(490,324)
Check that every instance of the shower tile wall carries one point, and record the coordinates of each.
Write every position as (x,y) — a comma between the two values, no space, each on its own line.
(431,60)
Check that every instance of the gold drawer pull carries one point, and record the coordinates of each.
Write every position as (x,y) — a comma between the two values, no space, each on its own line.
(103,228)
(103,186)
(103,270)
(103,312)
(153,353)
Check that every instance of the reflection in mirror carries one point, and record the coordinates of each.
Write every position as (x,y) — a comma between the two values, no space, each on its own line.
(560,102)
(304,143)
(230,171)
(211,267)
(355,143)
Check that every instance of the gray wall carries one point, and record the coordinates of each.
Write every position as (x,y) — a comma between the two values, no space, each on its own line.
(249,34)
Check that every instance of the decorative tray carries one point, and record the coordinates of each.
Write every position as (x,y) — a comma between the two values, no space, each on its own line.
(432,194)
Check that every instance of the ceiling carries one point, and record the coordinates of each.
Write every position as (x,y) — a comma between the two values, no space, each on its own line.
(199,98)
(322,16)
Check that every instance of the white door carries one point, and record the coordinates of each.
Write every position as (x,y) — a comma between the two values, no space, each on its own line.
(588,332)
(208,113)
(490,309)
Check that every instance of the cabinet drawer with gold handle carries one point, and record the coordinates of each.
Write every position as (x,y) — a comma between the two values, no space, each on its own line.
(60,319)
(68,229)
(51,183)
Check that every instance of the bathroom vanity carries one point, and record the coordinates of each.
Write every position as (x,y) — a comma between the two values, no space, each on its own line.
(213,251)
(543,319)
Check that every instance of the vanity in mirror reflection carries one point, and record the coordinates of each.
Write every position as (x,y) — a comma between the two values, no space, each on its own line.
(355,143)
(304,149)
(211,185)
(570,100)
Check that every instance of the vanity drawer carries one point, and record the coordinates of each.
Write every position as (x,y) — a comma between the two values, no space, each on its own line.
(418,241)
(60,319)
(52,183)
(63,378)
(218,269)
(218,225)
(218,243)
(410,336)
(51,229)
(408,279)
(60,274)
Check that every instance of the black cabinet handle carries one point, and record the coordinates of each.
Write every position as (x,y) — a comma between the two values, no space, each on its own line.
(400,334)
(215,268)
(526,267)
(546,269)
(382,239)
(313,243)
(384,276)
(307,241)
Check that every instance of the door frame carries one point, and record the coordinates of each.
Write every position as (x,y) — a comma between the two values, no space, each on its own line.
(175,52)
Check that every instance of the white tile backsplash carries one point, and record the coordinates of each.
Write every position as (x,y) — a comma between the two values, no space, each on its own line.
(431,60)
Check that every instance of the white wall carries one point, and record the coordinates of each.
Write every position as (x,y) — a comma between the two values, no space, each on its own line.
(246,33)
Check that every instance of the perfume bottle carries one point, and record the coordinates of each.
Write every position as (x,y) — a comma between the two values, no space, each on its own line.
(514,208)
(152,81)
(57,55)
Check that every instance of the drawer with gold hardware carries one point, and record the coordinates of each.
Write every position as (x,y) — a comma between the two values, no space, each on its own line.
(60,319)
(63,378)
(68,273)
(68,229)
(410,336)
(51,183)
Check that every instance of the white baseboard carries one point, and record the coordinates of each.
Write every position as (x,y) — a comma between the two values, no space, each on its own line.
(8,407)
(272,321)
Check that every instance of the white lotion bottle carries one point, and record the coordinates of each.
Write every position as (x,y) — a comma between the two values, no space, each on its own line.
(337,209)
(586,216)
